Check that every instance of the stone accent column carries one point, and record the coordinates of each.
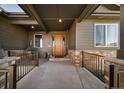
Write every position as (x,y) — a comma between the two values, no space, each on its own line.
(120,52)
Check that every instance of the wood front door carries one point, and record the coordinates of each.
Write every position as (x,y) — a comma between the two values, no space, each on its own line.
(58,46)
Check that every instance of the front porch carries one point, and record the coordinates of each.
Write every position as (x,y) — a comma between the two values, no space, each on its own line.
(59,75)
(66,49)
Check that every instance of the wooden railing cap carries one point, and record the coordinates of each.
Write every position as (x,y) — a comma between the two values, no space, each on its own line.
(8,59)
(114,60)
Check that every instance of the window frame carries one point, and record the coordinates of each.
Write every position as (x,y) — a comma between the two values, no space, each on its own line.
(15,14)
(117,26)
(5,9)
(34,41)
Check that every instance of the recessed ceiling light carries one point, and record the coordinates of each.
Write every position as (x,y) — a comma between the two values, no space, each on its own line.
(32,27)
(60,20)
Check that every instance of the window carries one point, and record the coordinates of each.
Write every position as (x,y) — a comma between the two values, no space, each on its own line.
(13,11)
(38,41)
(11,8)
(106,35)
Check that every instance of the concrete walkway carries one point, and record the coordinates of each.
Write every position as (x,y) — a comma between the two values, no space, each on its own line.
(59,75)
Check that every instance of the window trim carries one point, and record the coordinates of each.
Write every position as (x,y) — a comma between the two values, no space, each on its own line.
(117,25)
(11,12)
(15,14)
(34,41)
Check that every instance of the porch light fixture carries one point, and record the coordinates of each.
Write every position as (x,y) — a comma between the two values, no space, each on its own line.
(58,14)
(60,20)
(32,27)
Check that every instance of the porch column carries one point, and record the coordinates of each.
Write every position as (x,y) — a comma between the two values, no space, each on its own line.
(120,52)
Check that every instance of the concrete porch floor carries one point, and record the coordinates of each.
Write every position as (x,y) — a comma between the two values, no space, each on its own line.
(59,75)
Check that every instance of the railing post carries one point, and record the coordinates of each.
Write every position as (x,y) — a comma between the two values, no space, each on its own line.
(6,75)
(12,76)
(111,76)
(82,59)
(37,59)
(5,71)
(120,83)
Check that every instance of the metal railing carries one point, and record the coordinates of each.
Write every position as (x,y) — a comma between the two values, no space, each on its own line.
(94,63)
(17,70)
(109,70)
(4,78)
(114,73)
(25,64)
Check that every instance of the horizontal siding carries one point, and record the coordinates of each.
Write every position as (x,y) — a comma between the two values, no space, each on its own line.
(12,36)
(85,34)
(72,36)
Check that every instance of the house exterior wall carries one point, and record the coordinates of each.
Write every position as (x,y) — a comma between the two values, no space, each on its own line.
(72,36)
(46,41)
(11,36)
(85,35)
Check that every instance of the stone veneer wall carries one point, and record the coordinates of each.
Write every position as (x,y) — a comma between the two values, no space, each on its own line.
(73,57)
(108,53)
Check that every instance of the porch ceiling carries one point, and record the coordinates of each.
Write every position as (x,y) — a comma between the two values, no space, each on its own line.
(54,25)
(45,17)
(51,13)
(61,10)
(29,27)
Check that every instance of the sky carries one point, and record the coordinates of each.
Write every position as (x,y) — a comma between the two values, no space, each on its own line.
(11,7)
